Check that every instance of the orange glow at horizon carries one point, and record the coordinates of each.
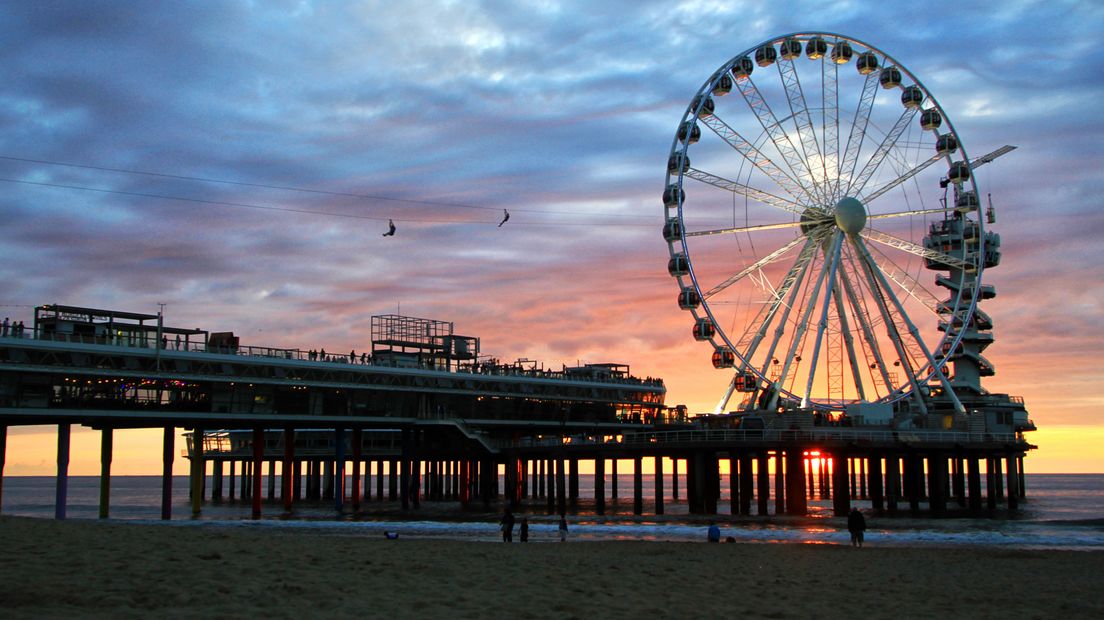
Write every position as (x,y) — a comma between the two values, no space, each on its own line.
(32,451)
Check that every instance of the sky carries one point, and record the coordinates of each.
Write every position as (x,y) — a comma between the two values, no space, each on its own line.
(238,162)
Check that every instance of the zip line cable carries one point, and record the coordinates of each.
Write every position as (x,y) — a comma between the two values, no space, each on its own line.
(242,205)
(299,189)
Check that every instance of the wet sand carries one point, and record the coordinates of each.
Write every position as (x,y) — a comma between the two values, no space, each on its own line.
(88,569)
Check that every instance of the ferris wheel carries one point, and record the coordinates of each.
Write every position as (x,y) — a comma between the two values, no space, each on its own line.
(825,230)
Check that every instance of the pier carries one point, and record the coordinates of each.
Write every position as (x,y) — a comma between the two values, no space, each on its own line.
(423,416)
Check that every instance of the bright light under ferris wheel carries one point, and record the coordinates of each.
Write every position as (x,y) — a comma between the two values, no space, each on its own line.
(824,229)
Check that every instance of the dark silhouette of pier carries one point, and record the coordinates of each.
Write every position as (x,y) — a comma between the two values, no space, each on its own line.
(426,417)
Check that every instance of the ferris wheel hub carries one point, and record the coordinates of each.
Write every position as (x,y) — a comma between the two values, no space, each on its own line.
(850,215)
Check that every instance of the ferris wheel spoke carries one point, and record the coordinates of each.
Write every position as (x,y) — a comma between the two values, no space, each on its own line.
(808,254)
(882,216)
(908,283)
(833,264)
(858,309)
(901,179)
(857,184)
(799,169)
(879,294)
(802,328)
(744,190)
(757,329)
(742,229)
(848,338)
(799,111)
(989,157)
(916,357)
(858,128)
(722,404)
(756,157)
(830,127)
(912,248)
(866,257)
(752,268)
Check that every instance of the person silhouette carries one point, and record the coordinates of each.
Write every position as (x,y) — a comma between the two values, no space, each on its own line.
(390,229)
(505,218)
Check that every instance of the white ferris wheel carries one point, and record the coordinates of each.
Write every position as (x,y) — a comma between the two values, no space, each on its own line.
(825,230)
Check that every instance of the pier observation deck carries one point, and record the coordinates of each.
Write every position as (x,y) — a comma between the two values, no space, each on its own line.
(92,367)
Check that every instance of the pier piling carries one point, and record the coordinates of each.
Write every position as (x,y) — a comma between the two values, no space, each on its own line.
(197,471)
(658,476)
(258,456)
(3,457)
(1013,483)
(991,476)
(287,470)
(745,483)
(841,491)
(937,485)
(762,475)
(779,483)
(600,485)
(561,486)
(877,490)
(638,485)
(105,470)
(613,479)
(167,449)
(733,484)
(62,488)
(358,438)
(674,478)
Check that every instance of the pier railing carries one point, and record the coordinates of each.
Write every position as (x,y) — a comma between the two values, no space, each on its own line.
(172,346)
(844,435)
(758,436)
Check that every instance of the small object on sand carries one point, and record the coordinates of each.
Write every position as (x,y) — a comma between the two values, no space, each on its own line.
(391,535)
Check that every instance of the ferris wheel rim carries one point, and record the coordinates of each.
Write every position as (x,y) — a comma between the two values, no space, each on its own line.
(950,338)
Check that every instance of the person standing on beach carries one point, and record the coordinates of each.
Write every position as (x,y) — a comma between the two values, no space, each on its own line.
(508,526)
(524,529)
(563,529)
(714,534)
(856,524)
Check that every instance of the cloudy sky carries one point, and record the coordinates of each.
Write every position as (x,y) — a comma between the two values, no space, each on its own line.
(238,162)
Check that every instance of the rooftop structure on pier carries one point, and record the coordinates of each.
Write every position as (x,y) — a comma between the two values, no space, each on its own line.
(413,342)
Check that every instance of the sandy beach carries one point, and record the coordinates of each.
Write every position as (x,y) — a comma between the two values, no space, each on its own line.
(83,569)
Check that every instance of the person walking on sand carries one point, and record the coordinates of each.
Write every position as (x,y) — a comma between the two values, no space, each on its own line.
(563,529)
(856,524)
(508,526)
(524,529)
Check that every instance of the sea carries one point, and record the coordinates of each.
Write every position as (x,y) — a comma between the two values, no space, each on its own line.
(1060,511)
